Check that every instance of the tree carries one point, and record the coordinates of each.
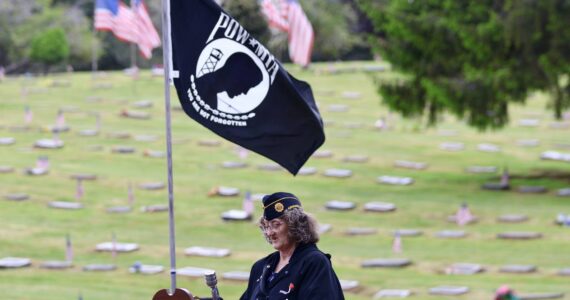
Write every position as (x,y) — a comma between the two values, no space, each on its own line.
(472,58)
(50,47)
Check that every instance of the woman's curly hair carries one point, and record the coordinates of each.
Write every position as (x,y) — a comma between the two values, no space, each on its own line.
(302,227)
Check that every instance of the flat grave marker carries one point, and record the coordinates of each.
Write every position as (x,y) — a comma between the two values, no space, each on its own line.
(123,149)
(407,232)
(305,171)
(14,262)
(7,141)
(379,207)
(541,296)
(17,197)
(65,205)
(6,169)
(464,269)
(337,173)
(224,191)
(118,247)
(410,165)
(207,251)
(323,154)
(451,234)
(565,192)
(532,189)
(395,180)
(152,186)
(236,215)
(154,208)
(519,235)
(512,218)
(481,169)
(386,263)
(338,108)
(56,265)
(392,293)
(446,290)
(146,269)
(48,144)
(349,285)
(236,275)
(193,272)
(452,146)
(518,269)
(528,143)
(99,268)
(356,158)
(486,147)
(361,231)
(340,205)
(270,167)
(209,143)
(234,164)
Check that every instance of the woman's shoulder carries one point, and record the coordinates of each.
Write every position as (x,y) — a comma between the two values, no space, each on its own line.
(312,254)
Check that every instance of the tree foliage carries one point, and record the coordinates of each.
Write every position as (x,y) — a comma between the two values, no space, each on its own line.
(472,58)
(50,47)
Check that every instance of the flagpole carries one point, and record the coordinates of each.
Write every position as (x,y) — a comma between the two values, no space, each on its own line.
(133,49)
(166,63)
(94,46)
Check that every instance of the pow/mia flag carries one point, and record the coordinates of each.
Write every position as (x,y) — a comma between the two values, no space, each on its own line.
(230,83)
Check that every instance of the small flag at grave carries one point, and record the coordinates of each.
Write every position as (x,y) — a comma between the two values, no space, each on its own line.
(42,162)
(28,115)
(79,189)
(60,120)
(248,203)
(230,83)
(131,194)
(463,215)
(68,249)
(505,178)
(397,243)
(242,152)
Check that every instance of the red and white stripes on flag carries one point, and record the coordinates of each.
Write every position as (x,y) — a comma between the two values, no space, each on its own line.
(397,243)
(129,25)
(288,16)
(463,216)
(79,190)
(248,204)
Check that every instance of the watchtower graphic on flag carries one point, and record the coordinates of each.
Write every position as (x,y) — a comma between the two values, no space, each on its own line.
(210,64)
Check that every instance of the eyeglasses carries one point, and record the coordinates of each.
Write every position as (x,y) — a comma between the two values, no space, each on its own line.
(270,226)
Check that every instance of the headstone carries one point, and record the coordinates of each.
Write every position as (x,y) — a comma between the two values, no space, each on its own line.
(512,218)
(338,173)
(236,215)
(488,148)
(119,209)
(386,263)
(154,208)
(518,269)
(451,234)
(6,169)
(236,275)
(392,293)
(449,290)
(83,176)
(153,153)
(481,169)
(322,154)
(99,268)
(207,252)
(118,247)
(355,158)
(270,167)
(529,122)
(146,269)
(65,205)
(145,138)
(453,219)
(452,146)
(307,171)
(561,192)
(564,272)
(224,191)
(142,104)
(395,180)
(340,205)
(528,143)
(123,149)
(324,228)
(56,265)
(36,171)
(119,135)
(559,125)
(193,272)
(209,143)
(519,235)
(7,140)
(133,114)
(14,262)
(348,285)
(17,197)
(351,95)
(234,165)
(48,144)
(379,207)
(407,232)
(554,155)
(495,186)
(58,129)
(338,108)
(89,132)
(410,165)
(540,296)
(361,231)
(152,186)
(464,269)
(532,189)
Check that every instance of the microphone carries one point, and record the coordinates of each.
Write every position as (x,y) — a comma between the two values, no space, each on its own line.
(212,281)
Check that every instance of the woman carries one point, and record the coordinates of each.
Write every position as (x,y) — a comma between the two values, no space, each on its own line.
(298,269)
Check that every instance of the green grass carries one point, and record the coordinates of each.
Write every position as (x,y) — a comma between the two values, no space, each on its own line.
(30,229)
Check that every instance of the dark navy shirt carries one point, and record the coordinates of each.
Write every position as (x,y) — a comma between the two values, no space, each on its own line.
(308,276)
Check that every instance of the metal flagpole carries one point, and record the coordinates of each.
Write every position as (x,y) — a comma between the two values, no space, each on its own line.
(133,46)
(94,45)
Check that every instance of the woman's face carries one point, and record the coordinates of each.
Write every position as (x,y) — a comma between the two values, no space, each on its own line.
(277,231)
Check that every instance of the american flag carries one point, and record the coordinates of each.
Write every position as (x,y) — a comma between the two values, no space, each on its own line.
(114,247)
(505,177)
(60,120)
(463,216)
(42,162)
(68,249)
(115,16)
(288,16)
(248,203)
(397,243)
(79,190)
(131,195)
(148,37)
(242,152)
(28,115)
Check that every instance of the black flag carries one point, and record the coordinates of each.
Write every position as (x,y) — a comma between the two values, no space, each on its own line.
(230,83)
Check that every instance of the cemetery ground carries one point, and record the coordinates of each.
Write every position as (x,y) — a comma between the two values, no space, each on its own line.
(30,229)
